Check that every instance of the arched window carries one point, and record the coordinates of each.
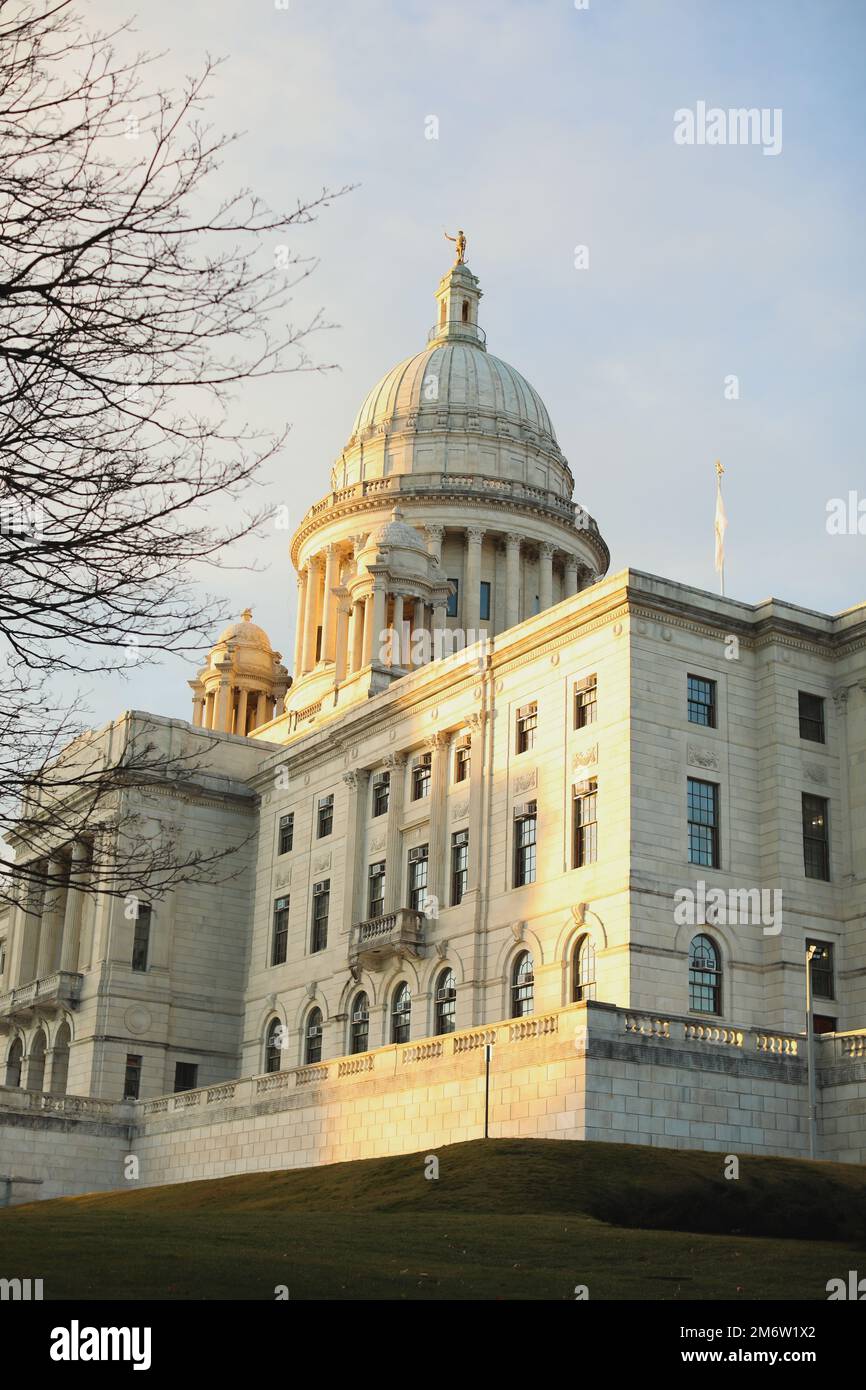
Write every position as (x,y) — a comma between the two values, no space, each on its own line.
(446,1001)
(401,1014)
(522,986)
(273,1038)
(583,971)
(36,1069)
(313,1037)
(13,1063)
(465,311)
(705,976)
(360,1034)
(60,1065)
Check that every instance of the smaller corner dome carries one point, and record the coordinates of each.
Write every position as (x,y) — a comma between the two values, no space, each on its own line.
(245,633)
(396,534)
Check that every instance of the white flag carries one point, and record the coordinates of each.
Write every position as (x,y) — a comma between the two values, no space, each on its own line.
(721,524)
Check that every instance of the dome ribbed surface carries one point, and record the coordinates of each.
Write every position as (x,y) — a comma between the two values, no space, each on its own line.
(465,378)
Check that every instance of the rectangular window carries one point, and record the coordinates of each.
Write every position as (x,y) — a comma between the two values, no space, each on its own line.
(811,717)
(525,826)
(459,865)
(321,908)
(527,722)
(185,1076)
(821,966)
(381,793)
(816,837)
(132,1076)
(418,877)
(140,939)
(453,599)
(585,825)
(421,773)
(325,822)
(376,889)
(280,942)
(286,833)
(484,602)
(462,761)
(703,823)
(2,957)
(585,693)
(702,701)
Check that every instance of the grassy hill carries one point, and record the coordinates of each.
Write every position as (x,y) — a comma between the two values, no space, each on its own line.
(506,1219)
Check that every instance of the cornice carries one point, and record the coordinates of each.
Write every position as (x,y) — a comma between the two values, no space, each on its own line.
(466,499)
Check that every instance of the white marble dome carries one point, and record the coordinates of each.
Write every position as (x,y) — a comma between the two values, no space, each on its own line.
(455,377)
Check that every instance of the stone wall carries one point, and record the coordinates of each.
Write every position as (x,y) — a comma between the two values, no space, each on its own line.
(68,1144)
(591,1071)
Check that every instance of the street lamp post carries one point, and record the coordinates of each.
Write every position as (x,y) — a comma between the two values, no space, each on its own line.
(810,1056)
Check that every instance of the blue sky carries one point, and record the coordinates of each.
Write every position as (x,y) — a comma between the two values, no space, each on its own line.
(556,130)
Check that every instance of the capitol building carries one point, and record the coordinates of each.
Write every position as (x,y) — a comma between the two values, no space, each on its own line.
(511,839)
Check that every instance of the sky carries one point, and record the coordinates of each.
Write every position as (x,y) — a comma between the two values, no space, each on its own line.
(554,129)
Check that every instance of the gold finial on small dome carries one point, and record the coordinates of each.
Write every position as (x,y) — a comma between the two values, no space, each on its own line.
(247,615)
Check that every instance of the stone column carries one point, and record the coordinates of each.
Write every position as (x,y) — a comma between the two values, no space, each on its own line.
(380,609)
(369,624)
(438,623)
(341,642)
(223,707)
(476,773)
(311,611)
(434,542)
(545,575)
(53,913)
(472,581)
(440,745)
(329,603)
(197,704)
(26,923)
(74,907)
(241,723)
(357,634)
(209,710)
(261,709)
(512,579)
(299,622)
(570,576)
(397,632)
(396,765)
(354,883)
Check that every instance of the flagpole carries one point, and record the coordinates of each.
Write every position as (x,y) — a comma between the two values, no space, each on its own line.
(721,524)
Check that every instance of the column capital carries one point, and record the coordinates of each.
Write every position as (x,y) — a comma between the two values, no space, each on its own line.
(548,548)
(439,740)
(356,776)
(514,539)
(434,530)
(395,760)
(475,534)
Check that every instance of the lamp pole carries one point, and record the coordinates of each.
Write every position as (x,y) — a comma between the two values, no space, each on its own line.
(488,1053)
(810,1057)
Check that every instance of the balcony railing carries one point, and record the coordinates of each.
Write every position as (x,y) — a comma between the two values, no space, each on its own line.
(374,942)
(58,991)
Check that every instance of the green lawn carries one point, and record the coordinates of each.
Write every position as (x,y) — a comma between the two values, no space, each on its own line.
(506,1219)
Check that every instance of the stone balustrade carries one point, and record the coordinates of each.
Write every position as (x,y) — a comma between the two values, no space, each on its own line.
(58,991)
(374,942)
(505,489)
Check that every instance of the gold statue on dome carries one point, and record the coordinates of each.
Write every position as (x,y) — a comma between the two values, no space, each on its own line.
(460,244)
(247,615)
